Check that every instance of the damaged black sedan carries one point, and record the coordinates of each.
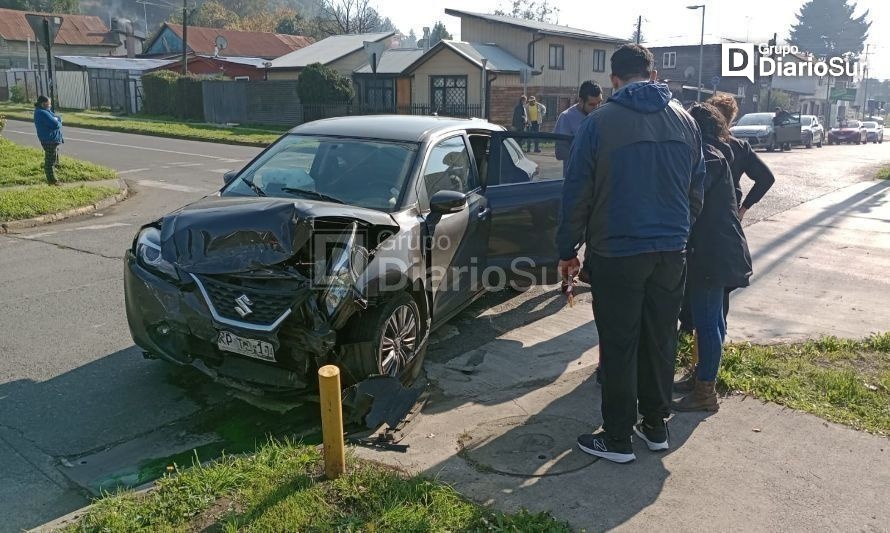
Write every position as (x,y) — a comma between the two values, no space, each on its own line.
(345,242)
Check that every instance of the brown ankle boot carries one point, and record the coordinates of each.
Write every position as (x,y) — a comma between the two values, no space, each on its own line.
(686,383)
(702,398)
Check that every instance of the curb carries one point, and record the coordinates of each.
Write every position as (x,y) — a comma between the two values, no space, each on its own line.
(74,517)
(13,225)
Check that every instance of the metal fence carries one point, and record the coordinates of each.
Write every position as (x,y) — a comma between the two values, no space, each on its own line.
(319,111)
(115,90)
(252,102)
(73,88)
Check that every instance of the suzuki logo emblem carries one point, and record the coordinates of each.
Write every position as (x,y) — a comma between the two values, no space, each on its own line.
(242,306)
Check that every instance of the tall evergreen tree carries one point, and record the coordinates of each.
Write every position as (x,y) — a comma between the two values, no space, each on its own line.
(829,28)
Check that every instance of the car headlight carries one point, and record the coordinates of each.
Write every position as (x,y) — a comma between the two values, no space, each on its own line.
(344,267)
(148,252)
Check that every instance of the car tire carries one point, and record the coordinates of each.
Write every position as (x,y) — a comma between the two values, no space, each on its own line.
(370,332)
(809,142)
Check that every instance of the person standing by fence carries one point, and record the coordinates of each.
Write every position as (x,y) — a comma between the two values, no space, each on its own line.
(49,132)
(536,112)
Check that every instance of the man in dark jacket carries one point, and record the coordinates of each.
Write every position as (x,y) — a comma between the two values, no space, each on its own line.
(520,116)
(633,186)
(49,132)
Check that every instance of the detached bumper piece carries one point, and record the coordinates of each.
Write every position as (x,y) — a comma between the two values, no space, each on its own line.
(384,406)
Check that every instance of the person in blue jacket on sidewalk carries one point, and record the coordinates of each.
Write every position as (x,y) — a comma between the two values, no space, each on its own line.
(49,132)
(633,188)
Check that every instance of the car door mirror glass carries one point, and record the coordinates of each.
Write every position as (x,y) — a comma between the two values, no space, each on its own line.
(446,202)
(230,176)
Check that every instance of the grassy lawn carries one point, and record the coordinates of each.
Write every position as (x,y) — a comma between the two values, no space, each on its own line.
(28,202)
(282,488)
(23,189)
(155,126)
(20,165)
(844,381)
(884,174)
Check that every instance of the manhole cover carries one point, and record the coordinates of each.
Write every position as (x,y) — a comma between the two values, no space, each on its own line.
(521,446)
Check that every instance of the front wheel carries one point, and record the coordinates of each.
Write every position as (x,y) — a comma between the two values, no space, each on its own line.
(386,340)
(809,142)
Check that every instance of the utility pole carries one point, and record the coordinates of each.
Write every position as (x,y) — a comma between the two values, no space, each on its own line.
(701,49)
(639,28)
(772,53)
(185,38)
(865,73)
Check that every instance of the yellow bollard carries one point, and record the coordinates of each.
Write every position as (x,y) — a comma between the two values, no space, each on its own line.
(332,421)
(694,349)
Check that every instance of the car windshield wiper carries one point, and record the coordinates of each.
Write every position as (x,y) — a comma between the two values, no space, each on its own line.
(313,194)
(253,186)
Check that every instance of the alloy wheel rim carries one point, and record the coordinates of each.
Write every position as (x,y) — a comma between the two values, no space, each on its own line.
(399,342)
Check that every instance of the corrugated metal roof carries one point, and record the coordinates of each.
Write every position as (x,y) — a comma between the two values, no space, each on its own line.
(328,50)
(499,60)
(541,27)
(394,61)
(240,43)
(678,41)
(81,30)
(250,61)
(115,63)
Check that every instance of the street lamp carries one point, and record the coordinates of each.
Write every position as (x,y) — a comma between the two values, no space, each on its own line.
(701,48)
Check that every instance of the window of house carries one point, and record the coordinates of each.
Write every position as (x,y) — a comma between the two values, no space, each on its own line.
(669,60)
(379,94)
(531,54)
(449,93)
(599,60)
(557,57)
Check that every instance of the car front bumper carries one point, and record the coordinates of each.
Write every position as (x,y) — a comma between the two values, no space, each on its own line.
(872,136)
(844,137)
(756,141)
(172,321)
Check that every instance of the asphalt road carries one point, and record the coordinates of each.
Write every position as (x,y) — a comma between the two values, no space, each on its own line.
(78,404)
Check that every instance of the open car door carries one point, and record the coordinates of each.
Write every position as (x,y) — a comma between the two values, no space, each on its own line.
(523,186)
(788,130)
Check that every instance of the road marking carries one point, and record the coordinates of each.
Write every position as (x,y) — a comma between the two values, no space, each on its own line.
(168,186)
(218,170)
(132,171)
(95,133)
(187,164)
(93,227)
(189,154)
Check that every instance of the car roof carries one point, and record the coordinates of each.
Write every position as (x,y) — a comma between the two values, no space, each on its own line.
(408,128)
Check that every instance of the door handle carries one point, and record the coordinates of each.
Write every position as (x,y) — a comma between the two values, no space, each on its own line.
(484,211)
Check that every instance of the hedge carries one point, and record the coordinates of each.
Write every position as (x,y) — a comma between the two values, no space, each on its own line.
(159,93)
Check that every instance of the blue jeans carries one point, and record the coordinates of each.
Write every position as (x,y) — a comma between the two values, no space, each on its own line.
(710,324)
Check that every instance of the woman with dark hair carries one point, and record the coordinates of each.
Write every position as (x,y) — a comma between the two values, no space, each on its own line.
(717,258)
(49,132)
(744,160)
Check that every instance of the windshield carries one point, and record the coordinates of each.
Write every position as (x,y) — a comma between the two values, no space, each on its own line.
(870,125)
(360,172)
(756,119)
(852,124)
(806,121)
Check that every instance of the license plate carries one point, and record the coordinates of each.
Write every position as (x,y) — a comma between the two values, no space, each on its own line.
(252,348)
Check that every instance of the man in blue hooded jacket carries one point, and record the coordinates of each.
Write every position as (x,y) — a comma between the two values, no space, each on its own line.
(633,187)
(49,132)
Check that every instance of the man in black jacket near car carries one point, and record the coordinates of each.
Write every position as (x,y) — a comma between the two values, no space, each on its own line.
(633,187)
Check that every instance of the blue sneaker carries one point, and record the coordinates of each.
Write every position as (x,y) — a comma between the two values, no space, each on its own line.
(655,436)
(601,445)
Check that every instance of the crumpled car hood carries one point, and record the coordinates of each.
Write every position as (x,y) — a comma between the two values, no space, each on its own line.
(219,235)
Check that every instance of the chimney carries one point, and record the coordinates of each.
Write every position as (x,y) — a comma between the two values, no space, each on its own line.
(124,30)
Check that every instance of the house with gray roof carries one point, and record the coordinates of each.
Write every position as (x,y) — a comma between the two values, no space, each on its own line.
(556,60)
(343,53)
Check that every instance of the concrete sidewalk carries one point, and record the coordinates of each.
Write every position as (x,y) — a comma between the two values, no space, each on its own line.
(503,419)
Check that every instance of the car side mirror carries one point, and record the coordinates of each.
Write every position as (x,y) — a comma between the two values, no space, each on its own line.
(445,202)
(230,176)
